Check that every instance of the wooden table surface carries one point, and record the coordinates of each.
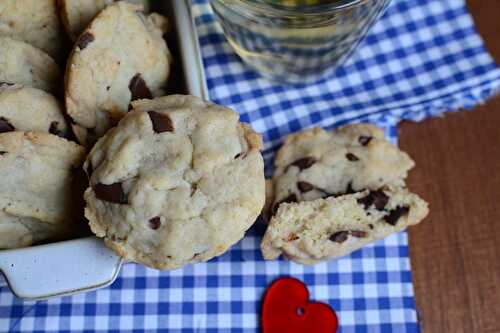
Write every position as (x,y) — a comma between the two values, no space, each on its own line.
(455,252)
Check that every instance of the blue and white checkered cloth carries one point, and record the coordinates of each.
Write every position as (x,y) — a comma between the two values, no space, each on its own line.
(421,59)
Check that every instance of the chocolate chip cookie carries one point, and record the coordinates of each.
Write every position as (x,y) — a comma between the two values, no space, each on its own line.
(311,231)
(77,14)
(24,64)
(177,181)
(316,163)
(35,22)
(20,231)
(36,197)
(120,57)
(30,109)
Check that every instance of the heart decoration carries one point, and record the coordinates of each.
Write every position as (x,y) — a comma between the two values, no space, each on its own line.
(286,308)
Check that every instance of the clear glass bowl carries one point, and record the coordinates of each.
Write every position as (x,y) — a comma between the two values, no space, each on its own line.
(296,41)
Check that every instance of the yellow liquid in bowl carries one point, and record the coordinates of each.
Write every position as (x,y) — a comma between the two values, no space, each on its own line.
(294,46)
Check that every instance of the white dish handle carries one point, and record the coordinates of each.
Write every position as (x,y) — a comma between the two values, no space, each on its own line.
(59,269)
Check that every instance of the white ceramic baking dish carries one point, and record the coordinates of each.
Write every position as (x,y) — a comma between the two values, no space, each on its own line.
(85,264)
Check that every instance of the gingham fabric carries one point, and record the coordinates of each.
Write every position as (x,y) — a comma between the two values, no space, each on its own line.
(421,59)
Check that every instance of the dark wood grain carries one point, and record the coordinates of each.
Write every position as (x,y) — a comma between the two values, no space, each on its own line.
(455,253)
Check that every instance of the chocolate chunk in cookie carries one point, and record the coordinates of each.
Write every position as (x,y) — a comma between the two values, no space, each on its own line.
(5,126)
(85,39)
(161,122)
(364,140)
(351,157)
(304,163)
(138,88)
(155,222)
(111,193)
(377,198)
(395,215)
(305,186)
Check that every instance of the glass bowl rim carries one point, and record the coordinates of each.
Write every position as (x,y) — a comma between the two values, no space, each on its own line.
(258,7)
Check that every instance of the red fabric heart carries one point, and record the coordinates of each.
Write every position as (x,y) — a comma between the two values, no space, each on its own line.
(286,309)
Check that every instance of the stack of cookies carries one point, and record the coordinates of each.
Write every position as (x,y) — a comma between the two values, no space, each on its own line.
(37,162)
(333,192)
(171,180)
(119,55)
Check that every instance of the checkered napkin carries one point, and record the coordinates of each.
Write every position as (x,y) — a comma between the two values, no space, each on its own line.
(421,59)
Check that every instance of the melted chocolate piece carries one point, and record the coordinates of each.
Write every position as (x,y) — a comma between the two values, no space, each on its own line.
(377,198)
(111,193)
(54,130)
(155,222)
(351,157)
(138,88)
(305,187)
(395,214)
(303,163)
(364,140)
(161,122)
(380,199)
(5,126)
(339,237)
(85,40)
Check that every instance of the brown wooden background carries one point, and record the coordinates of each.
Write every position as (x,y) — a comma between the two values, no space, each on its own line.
(455,253)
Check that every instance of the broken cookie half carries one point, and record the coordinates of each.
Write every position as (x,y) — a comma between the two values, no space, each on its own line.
(311,231)
(334,191)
